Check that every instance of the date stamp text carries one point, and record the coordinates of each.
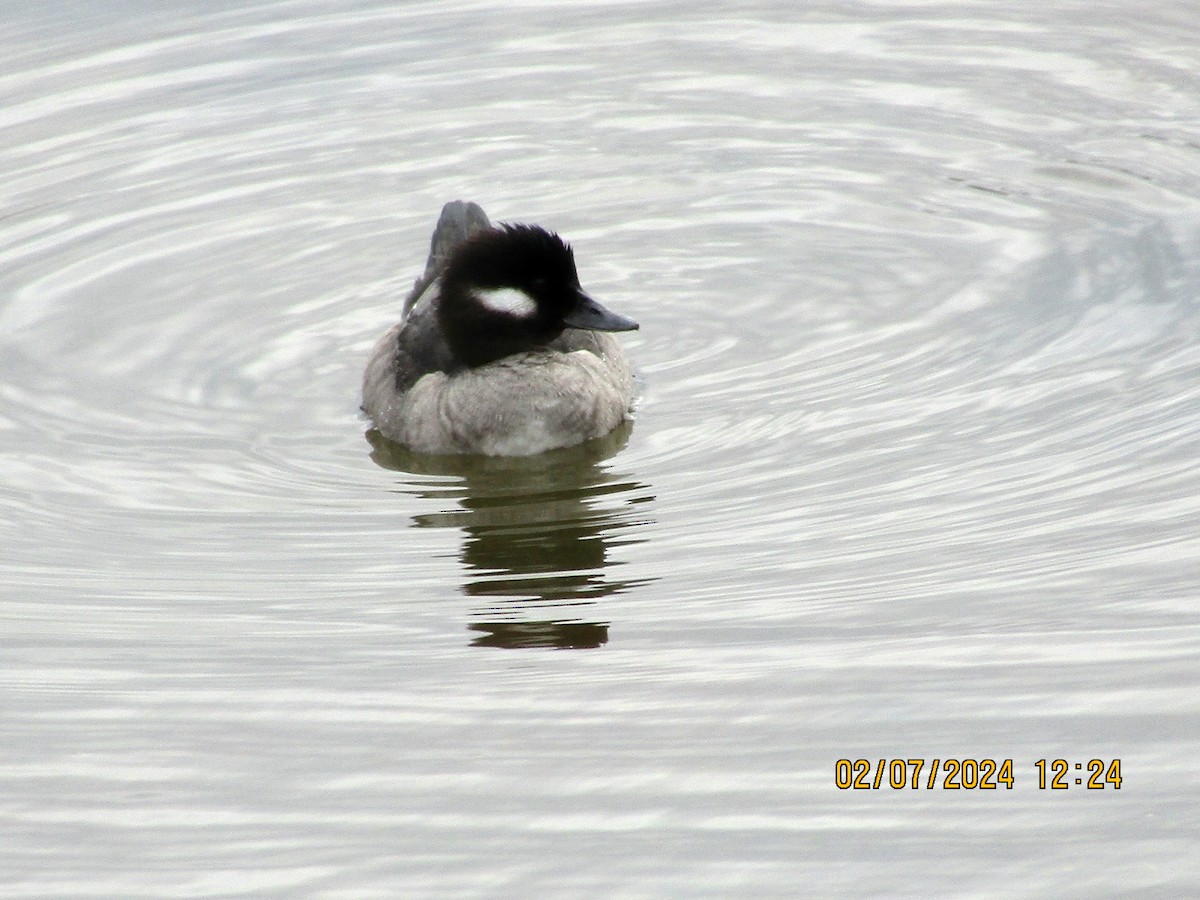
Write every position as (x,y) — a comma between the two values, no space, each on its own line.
(953,774)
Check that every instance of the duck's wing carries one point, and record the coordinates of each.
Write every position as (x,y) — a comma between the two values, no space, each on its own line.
(459,220)
(420,347)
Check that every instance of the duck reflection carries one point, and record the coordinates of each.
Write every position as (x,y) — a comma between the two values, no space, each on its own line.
(537,534)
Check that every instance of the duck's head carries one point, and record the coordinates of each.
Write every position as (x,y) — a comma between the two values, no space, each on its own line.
(512,289)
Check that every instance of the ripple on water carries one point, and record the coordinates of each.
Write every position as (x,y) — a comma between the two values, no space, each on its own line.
(915,454)
(1036,439)
(221,267)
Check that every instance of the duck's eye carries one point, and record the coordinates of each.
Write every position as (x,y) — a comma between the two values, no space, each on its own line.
(540,282)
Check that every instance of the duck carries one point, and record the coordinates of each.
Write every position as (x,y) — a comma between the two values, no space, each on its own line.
(499,350)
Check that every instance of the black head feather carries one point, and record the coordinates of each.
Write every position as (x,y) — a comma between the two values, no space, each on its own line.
(527,258)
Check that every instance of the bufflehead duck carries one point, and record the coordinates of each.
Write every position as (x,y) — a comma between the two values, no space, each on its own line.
(500,351)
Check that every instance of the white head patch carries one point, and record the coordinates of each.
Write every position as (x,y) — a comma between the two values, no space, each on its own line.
(508,300)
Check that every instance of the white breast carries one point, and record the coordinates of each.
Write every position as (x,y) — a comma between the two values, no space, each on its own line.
(521,405)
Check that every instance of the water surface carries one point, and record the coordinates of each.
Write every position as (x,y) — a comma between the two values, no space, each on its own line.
(913,472)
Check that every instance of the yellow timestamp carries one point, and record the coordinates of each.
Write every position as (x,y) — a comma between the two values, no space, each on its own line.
(954,774)
(1055,774)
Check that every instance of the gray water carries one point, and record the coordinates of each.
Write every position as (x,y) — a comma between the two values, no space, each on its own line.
(913,473)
